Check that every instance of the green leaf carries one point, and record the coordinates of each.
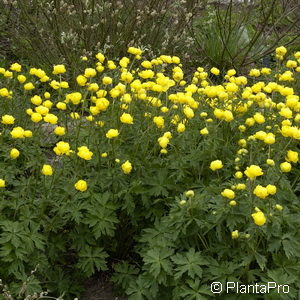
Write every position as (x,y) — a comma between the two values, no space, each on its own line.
(142,288)
(101,216)
(192,290)
(91,259)
(261,260)
(159,262)
(291,248)
(189,262)
(124,272)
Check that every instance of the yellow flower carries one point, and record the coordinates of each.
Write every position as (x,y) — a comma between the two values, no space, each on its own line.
(260,192)
(17,133)
(14,153)
(29,86)
(216,165)
(36,100)
(163,141)
(134,51)
(8,120)
(2,183)
(279,207)
(159,121)
(231,72)
(189,113)
(146,64)
(16,67)
(104,154)
(146,74)
(126,167)
(75,98)
(168,134)
(90,72)
(271,189)
(28,133)
(81,185)
(111,65)
(291,64)
(253,171)
(231,87)
(265,71)
(112,133)
(124,61)
(281,51)
(204,131)
(36,117)
(48,104)
(164,109)
(240,186)
(61,105)
(292,156)
(234,234)
(59,69)
(180,127)
(51,118)
(126,98)
(81,80)
(84,153)
(227,115)
(215,71)
(259,118)
(269,139)
(190,193)
(102,104)
(59,130)
(93,87)
(106,80)
(232,203)
(89,118)
(100,57)
(126,118)
(47,170)
(21,78)
(254,72)
(62,148)
(227,193)
(4,92)
(259,218)
(285,167)
(74,115)
(238,175)
(42,110)
(270,162)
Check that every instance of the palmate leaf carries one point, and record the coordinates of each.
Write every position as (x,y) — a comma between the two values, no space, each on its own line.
(158,261)
(91,259)
(124,272)
(189,263)
(193,290)
(159,183)
(291,248)
(142,288)
(13,232)
(261,260)
(101,216)
(281,277)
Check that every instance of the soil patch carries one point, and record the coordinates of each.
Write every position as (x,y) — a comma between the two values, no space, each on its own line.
(100,288)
